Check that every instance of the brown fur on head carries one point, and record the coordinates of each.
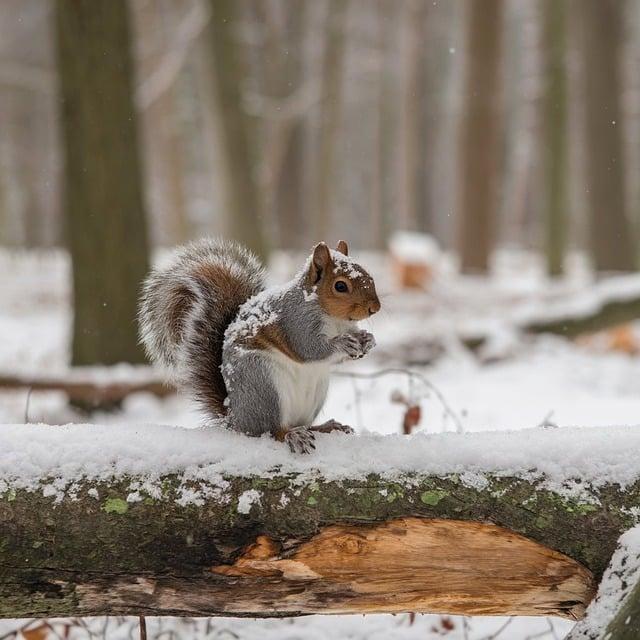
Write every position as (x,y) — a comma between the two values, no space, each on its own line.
(345,290)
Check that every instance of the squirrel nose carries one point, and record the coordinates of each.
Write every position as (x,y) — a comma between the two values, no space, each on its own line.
(374,307)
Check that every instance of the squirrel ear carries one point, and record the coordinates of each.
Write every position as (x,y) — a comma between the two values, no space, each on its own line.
(343,248)
(321,258)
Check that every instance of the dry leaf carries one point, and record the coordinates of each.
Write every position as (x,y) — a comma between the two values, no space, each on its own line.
(36,633)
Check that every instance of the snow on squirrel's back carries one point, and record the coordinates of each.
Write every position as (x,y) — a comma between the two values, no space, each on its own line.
(32,456)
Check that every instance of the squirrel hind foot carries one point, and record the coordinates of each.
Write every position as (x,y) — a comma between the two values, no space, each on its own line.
(299,439)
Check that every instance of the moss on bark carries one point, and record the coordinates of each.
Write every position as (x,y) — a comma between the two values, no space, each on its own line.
(97,531)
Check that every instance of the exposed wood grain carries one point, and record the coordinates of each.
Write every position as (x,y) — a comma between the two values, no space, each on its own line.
(411,564)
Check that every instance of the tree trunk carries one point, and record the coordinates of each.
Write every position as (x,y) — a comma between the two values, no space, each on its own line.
(106,224)
(330,115)
(234,134)
(480,136)
(281,66)
(611,237)
(382,129)
(164,160)
(412,130)
(555,145)
(202,541)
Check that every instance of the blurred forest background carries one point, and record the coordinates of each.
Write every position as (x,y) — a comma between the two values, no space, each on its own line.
(484,123)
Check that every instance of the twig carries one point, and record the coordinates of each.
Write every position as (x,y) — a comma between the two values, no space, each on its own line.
(356,393)
(415,376)
(547,423)
(143,628)
(552,629)
(26,405)
(495,634)
(465,627)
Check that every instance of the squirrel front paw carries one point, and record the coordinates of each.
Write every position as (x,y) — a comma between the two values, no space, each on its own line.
(349,344)
(366,339)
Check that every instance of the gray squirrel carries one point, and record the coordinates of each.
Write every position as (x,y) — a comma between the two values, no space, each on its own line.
(258,358)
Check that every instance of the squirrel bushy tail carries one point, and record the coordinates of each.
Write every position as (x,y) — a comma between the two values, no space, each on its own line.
(186,307)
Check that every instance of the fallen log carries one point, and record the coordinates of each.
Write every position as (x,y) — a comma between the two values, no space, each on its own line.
(168,521)
(84,391)
(609,303)
(615,613)
(608,314)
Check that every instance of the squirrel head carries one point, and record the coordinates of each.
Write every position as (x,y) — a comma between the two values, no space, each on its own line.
(345,290)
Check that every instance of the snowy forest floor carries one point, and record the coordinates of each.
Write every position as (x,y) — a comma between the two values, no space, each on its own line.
(513,383)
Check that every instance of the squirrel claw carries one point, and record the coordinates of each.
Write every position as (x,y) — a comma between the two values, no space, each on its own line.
(300,439)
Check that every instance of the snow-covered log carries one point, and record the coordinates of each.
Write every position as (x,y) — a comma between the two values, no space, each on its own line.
(611,302)
(615,613)
(154,520)
(90,388)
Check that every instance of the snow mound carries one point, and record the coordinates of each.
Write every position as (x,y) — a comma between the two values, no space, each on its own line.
(33,455)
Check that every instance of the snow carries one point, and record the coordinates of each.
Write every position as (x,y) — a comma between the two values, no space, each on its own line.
(40,457)
(528,382)
(617,583)
(247,499)
(414,248)
(254,314)
(346,265)
(370,627)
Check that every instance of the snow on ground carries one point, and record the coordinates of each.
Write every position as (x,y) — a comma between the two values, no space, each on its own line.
(543,380)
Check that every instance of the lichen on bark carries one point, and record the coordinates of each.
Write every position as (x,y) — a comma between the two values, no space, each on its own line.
(128,526)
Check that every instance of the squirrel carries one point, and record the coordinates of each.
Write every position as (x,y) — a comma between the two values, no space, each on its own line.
(258,358)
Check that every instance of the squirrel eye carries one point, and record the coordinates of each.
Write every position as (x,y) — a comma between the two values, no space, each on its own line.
(340,286)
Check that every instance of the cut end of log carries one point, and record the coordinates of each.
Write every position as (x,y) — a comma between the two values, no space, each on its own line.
(412,564)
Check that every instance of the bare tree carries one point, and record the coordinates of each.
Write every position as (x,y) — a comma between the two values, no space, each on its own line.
(382,127)
(412,142)
(234,133)
(160,123)
(107,231)
(610,234)
(330,114)
(555,145)
(480,135)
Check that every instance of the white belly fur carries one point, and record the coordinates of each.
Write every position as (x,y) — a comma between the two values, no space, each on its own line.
(302,388)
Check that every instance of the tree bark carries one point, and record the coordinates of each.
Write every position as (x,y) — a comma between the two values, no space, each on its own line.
(289,545)
(235,137)
(106,225)
(610,233)
(480,136)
